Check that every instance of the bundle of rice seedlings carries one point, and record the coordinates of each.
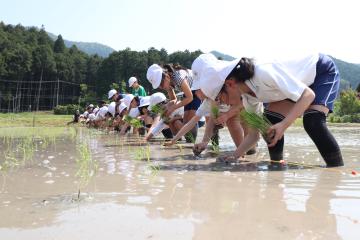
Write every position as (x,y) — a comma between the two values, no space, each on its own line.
(258,122)
(127,119)
(215,111)
(134,122)
(158,109)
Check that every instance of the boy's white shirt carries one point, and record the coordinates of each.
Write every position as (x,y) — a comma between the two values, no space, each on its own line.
(280,80)
(101,113)
(134,112)
(161,125)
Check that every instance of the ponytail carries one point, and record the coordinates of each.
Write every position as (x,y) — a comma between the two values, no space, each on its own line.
(243,71)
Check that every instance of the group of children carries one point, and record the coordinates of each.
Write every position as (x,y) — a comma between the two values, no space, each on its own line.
(217,90)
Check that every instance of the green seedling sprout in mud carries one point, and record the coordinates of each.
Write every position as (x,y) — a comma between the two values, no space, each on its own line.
(259,122)
(87,167)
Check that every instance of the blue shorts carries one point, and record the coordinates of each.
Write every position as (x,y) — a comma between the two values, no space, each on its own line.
(327,82)
(194,104)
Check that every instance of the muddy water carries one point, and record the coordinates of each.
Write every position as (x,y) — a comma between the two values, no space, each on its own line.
(156,193)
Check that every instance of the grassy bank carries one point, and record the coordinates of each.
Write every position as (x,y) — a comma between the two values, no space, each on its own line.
(26,119)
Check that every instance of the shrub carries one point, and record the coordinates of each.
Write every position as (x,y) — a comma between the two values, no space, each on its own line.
(69,109)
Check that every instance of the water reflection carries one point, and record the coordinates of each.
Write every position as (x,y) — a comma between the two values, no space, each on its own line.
(187,198)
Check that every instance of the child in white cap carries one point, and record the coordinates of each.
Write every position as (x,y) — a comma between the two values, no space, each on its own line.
(136,89)
(227,115)
(310,82)
(131,102)
(160,123)
(176,78)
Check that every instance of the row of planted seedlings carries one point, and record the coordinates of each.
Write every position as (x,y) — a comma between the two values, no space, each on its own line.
(19,145)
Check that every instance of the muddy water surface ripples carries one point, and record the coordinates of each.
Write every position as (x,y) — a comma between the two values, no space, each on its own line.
(136,191)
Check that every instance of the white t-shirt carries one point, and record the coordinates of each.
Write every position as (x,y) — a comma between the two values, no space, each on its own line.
(134,112)
(101,113)
(85,114)
(279,80)
(161,125)
(204,109)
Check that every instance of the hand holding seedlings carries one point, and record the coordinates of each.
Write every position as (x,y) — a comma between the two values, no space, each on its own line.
(275,133)
(260,123)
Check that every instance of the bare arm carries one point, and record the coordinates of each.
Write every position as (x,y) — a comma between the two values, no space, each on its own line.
(249,142)
(185,129)
(299,108)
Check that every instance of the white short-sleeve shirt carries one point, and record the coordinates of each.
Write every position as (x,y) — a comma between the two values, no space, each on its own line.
(134,112)
(279,80)
(204,109)
(162,125)
(101,113)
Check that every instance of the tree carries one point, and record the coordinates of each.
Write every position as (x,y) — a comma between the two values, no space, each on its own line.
(59,45)
(349,103)
(358,88)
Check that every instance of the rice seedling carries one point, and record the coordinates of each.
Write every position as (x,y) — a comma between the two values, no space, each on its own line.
(258,122)
(215,111)
(215,146)
(87,167)
(134,122)
(160,110)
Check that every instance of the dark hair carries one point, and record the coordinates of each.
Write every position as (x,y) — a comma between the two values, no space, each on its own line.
(171,68)
(137,99)
(244,70)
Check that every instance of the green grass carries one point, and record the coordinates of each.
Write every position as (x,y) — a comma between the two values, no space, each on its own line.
(42,119)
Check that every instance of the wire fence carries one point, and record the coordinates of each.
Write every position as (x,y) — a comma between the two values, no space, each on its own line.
(20,96)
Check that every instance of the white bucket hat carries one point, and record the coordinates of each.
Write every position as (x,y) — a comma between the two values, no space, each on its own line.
(144,101)
(132,80)
(111,93)
(154,75)
(127,100)
(121,107)
(156,98)
(200,63)
(198,66)
(213,77)
(111,108)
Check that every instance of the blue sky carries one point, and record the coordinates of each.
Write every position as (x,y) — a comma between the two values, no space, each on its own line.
(253,28)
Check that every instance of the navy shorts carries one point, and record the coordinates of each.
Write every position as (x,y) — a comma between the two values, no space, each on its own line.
(327,82)
(194,104)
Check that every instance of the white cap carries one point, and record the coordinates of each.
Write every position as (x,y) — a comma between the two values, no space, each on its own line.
(91,106)
(156,98)
(154,75)
(132,80)
(111,108)
(213,77)
(111,93)
(121,107)
(198,66)
(144,101)
(127,100)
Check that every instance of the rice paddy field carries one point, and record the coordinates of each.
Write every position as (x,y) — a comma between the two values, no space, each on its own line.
(70,182)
